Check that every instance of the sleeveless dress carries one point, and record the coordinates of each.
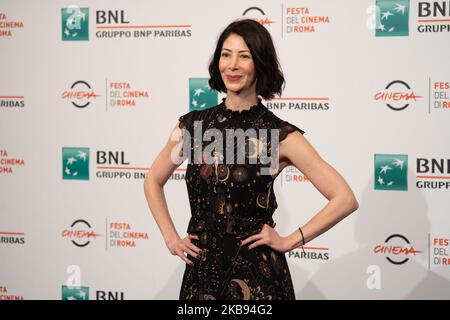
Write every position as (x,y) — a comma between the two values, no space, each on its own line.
(231,200)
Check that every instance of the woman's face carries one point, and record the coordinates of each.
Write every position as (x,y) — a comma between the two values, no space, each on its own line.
(236,65)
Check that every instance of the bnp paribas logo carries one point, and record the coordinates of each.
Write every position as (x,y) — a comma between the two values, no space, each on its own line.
(75,293)
(201,96)
(391,172)
(392,18)
(75,23)
(75,163)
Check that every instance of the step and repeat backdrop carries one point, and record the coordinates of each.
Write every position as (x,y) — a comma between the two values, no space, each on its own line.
(90,91)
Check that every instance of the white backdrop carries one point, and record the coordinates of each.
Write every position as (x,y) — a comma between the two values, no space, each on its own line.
(56,230)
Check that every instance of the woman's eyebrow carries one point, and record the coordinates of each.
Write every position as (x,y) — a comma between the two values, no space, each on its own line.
(238,51)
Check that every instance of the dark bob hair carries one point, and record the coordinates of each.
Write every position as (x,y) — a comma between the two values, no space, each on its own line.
(269,77)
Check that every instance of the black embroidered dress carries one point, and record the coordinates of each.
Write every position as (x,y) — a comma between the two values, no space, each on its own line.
(230,201)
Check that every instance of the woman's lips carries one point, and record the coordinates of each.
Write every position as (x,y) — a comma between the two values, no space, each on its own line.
(234,78)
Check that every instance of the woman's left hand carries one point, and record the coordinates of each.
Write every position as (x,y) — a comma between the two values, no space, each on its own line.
(267,236)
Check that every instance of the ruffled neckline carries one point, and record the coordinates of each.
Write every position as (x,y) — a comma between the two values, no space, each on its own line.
(231,113)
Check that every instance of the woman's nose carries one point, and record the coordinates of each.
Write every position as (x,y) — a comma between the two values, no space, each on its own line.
(234,62)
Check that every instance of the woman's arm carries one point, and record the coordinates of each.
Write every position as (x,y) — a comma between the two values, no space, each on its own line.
(326,179)
(158,174)
(296,150)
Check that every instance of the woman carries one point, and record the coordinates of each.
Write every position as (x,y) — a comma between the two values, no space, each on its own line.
(232,250)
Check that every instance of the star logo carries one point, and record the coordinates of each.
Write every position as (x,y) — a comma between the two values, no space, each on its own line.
(392,18)
(75,162)
(75,23)
(75,293)
(391,172)
(201,96)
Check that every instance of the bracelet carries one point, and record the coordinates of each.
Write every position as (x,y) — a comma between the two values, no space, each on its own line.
(303,239)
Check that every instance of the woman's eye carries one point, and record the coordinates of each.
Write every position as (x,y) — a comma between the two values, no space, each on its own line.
(242,56)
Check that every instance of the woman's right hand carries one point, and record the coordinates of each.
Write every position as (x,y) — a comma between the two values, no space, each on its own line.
(180,246)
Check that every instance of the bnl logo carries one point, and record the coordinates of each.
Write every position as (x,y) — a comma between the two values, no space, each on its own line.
(391,172)
(75,293)
(75,23)
(201,96)
(392,18)
(82,293)
(75,163)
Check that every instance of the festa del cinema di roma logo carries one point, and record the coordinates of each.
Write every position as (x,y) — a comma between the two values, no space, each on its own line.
(80,233)
(397,95)
(397,249)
